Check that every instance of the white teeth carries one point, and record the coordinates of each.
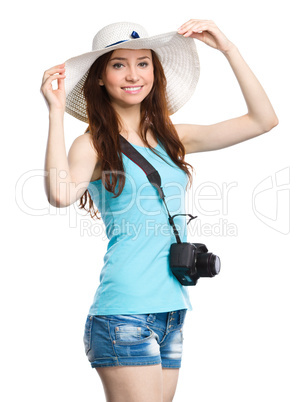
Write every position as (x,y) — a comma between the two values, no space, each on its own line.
(132,89)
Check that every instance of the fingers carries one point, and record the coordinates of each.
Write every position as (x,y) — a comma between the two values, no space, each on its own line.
(54,97)
(52,78)
(55,68)
(191,23)
(59,69)
(196,26)
(52,74)
(47,84)
(61,82)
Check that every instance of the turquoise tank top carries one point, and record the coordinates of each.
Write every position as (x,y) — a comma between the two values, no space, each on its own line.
(136,277)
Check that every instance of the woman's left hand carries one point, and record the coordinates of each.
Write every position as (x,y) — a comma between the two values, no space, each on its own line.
(207,32)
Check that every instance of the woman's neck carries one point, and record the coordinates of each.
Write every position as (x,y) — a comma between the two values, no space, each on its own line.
(130,118)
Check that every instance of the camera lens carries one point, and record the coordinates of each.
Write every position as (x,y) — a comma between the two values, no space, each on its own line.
(207,264)
(215,263)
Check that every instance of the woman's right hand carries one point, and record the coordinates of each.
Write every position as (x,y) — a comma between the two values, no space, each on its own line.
(55,98)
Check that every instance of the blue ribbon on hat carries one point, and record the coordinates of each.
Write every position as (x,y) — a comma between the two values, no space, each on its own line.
(134,35)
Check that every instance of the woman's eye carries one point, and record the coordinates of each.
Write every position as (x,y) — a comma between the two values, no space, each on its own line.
(118,66)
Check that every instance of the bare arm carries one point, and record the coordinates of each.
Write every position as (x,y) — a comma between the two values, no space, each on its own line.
(67,176)
(260,117)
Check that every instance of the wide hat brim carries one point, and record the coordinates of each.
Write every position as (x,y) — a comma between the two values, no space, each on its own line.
(177,54)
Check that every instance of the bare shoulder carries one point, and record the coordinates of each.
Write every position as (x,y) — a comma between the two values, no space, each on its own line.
(82,158)
(83,144)
(83,151)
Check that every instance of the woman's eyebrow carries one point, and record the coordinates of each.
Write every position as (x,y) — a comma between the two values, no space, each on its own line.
(123,58)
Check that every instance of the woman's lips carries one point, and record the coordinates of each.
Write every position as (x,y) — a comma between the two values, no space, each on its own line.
(132,90)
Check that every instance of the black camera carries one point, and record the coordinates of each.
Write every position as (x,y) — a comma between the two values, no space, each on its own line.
(191,261)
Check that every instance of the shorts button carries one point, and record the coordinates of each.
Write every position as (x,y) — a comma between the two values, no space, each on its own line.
(91,318)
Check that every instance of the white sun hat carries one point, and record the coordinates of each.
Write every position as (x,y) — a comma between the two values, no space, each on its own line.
(177,54)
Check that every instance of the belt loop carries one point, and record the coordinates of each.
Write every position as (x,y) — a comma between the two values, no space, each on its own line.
(151,318)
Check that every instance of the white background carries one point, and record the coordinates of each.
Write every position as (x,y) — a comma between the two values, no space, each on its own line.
(244,338)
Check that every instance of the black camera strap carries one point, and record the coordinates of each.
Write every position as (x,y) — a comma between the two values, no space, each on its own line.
(153,177)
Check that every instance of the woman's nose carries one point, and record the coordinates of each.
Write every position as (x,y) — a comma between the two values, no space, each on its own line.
(132,75)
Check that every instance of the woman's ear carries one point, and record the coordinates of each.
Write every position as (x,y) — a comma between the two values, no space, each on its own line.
(100,82)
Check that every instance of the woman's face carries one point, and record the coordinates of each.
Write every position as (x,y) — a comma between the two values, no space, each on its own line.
(129,76)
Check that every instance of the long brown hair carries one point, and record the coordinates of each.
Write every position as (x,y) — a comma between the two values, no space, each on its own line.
(105,126)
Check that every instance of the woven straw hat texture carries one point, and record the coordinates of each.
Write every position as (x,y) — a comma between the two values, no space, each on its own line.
(177,54)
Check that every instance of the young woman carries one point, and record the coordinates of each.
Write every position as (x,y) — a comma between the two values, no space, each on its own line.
(128,86)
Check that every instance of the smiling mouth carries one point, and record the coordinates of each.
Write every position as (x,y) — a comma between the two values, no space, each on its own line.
(132,90)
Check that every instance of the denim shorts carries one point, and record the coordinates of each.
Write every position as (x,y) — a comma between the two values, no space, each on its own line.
(135,340)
